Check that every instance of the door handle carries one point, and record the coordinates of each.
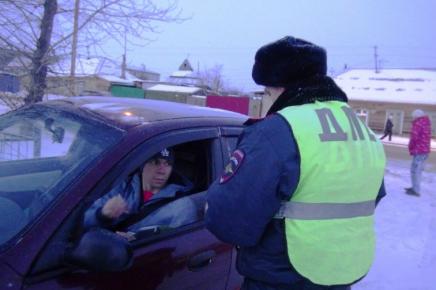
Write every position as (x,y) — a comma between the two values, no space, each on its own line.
(201,260)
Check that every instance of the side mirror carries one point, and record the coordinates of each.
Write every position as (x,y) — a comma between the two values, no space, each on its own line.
(58,132)
(101,250)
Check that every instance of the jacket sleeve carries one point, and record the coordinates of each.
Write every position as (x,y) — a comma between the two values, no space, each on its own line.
(93,216)
(183,211)
(241,205)
(413,137)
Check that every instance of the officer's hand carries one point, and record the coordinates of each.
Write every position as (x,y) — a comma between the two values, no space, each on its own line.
(115,207)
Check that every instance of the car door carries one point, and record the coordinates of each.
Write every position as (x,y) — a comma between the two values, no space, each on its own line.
(188,257)
(229,140)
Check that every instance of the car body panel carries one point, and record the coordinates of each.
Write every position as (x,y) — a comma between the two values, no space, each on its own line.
(157,265)
(9,279)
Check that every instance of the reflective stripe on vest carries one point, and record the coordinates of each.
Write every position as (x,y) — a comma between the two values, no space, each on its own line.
(320,211)
(329,221)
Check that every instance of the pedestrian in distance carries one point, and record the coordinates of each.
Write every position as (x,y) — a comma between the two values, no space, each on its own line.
(388,129)
(419,148)
(306,220)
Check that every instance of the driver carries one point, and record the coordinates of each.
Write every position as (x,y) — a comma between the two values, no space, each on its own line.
(140,191)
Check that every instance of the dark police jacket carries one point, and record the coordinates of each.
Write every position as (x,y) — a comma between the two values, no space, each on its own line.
(241,204)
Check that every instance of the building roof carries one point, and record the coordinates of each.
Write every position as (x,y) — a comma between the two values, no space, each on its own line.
(141,69)
(175,89)
(97,66)
(114,79)
(3,108)
(412,86)
(182,74)
(186,66)
(85,67)
(185,71)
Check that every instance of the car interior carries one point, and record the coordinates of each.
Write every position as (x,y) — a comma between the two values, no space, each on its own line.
(191,160)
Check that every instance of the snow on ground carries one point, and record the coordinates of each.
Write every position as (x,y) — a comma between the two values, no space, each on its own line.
(406,229)
(402,141)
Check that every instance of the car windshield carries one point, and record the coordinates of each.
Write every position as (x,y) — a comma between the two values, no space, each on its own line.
(42,151)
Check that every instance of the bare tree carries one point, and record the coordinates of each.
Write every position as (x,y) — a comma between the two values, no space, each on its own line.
(212,78)
(38,74)
(26,29)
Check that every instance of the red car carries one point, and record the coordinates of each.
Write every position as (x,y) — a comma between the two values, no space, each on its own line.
(58,157)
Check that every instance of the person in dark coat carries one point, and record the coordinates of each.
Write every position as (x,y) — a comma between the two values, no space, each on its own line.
(388,129)
(265,170)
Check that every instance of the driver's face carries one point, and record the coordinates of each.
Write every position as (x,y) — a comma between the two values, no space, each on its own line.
(155,174)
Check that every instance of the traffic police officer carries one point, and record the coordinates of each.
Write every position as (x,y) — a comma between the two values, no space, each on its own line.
(298,195)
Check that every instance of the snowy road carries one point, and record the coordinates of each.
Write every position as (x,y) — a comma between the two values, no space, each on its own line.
(406,230)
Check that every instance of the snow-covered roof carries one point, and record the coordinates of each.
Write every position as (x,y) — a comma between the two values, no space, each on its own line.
(390,85)
(86,66)
(183,74)
(48,97)
(114,79)
(175,89)
(141,69)
(20,61)
(4,109)
(198,97)
(101,67)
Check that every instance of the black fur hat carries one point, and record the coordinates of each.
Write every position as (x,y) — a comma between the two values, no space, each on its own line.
(287,60)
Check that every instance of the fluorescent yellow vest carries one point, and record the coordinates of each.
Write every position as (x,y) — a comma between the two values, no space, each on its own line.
(329,220)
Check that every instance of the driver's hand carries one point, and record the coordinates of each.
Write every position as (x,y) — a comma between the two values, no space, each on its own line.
(130,236)
(115,207)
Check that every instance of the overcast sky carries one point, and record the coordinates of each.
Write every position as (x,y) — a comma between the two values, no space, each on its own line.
(229,32)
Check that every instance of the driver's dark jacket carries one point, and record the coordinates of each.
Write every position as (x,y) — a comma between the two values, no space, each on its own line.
(176,213)
(240,210)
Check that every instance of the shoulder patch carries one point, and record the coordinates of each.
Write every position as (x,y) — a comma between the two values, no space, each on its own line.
(235,162)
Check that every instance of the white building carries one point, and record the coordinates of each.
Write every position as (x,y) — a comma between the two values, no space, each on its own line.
(397,92)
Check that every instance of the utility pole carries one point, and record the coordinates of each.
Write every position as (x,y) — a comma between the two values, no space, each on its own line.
(75,35)
(376,59)
(124,65)
(74,45)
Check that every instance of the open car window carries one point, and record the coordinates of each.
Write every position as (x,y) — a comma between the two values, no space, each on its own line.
(192,168)
(42,150)
(180,202)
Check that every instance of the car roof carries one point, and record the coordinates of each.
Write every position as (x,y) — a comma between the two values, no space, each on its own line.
(130,112)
